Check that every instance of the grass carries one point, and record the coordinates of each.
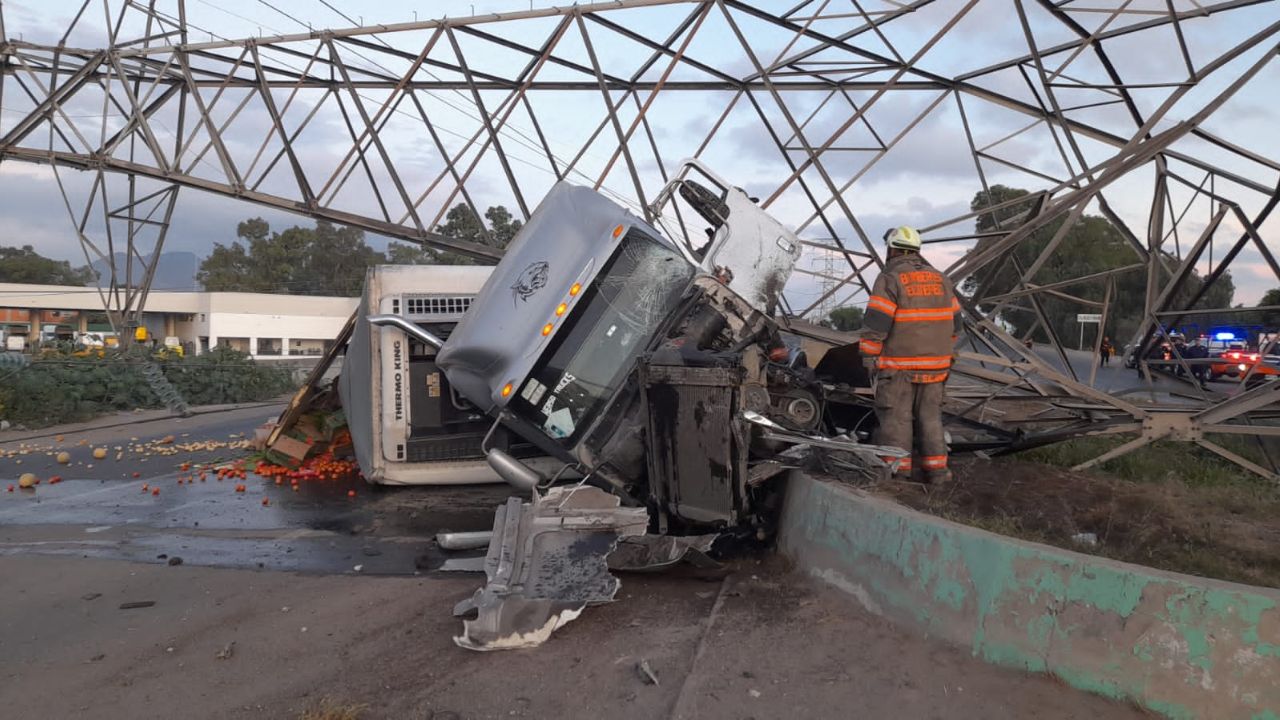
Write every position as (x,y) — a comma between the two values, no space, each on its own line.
(1158,462)
(328,709)
(1000,523)
(1170,505)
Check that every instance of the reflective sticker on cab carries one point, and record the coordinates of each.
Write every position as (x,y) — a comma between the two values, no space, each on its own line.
(560,423)
(533,391)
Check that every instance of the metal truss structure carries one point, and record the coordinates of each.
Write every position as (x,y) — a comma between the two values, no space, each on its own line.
(1120,108)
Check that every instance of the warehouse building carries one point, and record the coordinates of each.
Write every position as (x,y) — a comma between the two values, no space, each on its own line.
(262,325)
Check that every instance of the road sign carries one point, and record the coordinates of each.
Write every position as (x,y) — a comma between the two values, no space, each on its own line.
(1088,318)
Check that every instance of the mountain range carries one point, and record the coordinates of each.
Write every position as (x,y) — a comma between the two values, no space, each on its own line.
(175,271)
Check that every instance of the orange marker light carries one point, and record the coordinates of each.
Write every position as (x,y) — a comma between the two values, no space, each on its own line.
(560,309)
(506,390)
(546,329)
(575,289)
(617,231)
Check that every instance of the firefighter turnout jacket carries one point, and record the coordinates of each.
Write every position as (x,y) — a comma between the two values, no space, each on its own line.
(912,320)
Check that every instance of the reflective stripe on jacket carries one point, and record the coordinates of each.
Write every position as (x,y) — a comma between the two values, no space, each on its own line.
(912,320)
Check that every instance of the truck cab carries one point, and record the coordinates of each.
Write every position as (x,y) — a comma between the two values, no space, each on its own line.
(556,343)
(581,292)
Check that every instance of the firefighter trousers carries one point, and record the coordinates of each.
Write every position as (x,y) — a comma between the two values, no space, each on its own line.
(910,416)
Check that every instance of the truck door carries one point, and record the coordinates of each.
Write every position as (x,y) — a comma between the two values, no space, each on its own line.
(728,235)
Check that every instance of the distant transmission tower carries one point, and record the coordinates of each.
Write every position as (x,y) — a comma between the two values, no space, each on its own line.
(825,266)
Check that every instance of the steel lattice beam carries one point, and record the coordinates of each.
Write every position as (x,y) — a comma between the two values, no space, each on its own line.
(834,90)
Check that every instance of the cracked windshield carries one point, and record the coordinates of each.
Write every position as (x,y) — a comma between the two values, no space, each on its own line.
(611,325)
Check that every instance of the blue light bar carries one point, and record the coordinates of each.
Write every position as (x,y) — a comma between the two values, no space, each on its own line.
(1225,336)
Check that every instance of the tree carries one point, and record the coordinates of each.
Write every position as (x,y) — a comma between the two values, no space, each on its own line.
(1092,245)
(846,319)
(324,260)
(462,224)
(25,265)
(1268,319)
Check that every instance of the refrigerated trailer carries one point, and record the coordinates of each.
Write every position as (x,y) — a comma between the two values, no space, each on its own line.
(409,425)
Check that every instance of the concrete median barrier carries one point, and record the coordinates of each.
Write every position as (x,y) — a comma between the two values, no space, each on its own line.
(1184,646)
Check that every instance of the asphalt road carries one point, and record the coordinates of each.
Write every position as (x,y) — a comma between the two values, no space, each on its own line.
(100,620)
(1115,378)
(100,509)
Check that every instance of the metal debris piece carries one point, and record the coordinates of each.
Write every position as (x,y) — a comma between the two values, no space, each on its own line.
(226,652)
(545,565)
(467,564)
(841,452)
(653,553)
(764,470)
(464,540)
(646,673)
(1085,538)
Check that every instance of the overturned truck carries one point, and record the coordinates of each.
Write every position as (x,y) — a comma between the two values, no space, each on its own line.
(652,370)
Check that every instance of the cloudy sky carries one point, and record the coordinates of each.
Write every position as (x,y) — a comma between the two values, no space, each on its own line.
(929,176)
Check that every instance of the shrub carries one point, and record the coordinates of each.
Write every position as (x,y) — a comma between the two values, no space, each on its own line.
(59,387)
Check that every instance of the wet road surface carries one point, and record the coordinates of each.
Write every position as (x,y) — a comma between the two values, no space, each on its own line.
(100,510)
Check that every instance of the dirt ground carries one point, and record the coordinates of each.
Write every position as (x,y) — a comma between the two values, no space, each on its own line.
(1229,532)
(223,643)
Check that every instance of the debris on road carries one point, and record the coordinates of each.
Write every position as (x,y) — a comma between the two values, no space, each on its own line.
(546,563)
(137,605)
(322,466)
(469,564)
(28,480)
(653,553)
(646,673)
(226,652)
(464,540)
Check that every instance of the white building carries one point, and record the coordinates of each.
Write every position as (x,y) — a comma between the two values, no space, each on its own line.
(260,324)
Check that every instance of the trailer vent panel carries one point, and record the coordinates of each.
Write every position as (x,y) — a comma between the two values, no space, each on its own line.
(436,305)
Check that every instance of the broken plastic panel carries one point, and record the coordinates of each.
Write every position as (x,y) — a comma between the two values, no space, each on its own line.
(546,563)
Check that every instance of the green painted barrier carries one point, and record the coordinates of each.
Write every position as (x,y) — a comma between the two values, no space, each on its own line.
(1184,646)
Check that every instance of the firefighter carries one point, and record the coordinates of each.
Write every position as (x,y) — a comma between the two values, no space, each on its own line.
(908,342)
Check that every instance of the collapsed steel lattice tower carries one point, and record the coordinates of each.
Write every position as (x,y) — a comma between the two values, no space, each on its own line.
(1119,108)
